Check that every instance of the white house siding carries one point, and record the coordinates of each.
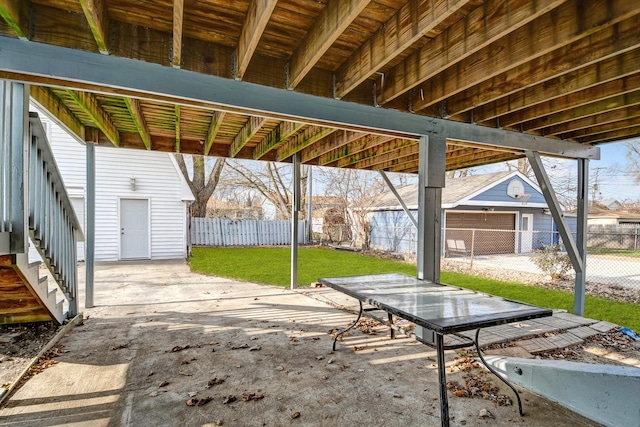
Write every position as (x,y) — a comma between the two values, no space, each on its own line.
(156,178)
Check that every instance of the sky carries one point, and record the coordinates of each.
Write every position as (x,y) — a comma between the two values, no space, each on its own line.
(619,185)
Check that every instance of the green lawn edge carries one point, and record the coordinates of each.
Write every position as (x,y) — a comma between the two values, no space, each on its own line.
(272,266)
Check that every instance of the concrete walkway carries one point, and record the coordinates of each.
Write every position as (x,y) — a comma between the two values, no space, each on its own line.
(166,347)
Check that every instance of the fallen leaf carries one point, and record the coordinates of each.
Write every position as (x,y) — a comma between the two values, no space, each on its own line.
(251,396)
(215,381)
(199,402)
(178,348)
(240,346)
(163,384)
(229,399)
(295,415)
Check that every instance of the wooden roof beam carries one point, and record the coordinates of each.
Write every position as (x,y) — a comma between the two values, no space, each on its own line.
(334,19)
(92,108)
(363,143)
(16,15)
(95,11)
(214,127)
(593,108)
(605,72)
(276,137)
(488,23)
(388,159)
(601,46)
(570,24)
(178,14)
(400,147)
(583,126)
(407,26)
(248,131)
(177,122)
(308,136)
(626,118)
(257,18)
(330,143)
(597,93)
(133,105)
(48,101)
(616,135)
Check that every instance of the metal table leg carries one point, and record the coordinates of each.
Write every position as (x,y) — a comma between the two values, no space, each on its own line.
(497,374)
(339,334)
(442,380)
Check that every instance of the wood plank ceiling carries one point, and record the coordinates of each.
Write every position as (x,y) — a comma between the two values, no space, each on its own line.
(566,69)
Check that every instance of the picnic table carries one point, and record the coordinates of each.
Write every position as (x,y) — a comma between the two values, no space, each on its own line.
(440,309)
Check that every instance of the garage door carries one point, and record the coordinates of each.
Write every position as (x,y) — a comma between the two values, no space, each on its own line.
(494,231)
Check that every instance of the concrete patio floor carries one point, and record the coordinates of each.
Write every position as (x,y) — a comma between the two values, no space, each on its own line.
(159,335)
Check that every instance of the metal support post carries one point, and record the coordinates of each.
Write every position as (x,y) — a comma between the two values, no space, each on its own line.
(90,236)
(581,235)
(431,181)
(16,134)
(295,208)
(310,206)
(398,198)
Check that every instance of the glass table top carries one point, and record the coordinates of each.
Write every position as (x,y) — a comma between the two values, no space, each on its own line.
(439,307)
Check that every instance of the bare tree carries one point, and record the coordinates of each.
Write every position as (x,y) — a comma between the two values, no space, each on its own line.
(202,187)
(633,155)
(357,190)
(274,182)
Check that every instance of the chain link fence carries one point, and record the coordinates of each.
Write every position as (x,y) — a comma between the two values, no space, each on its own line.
(613,252)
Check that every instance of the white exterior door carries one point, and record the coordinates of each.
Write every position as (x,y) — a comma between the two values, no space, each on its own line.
(526,233)
(134,229)
(78,206)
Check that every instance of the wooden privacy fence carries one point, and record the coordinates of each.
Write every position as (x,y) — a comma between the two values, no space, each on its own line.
(229,232)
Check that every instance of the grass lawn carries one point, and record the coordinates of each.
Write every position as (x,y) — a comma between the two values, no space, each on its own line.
(272,266)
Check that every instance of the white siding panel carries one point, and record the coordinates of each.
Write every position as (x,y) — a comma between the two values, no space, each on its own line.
(156,179)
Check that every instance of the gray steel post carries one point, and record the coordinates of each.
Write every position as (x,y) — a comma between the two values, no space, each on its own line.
(17,133)
(310,206)
(398,198)
(90,235)
(581,236)
(295,208)
(431,181)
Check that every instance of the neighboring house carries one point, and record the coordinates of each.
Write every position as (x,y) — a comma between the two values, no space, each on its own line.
(507,201)
(617,217)
(141,199)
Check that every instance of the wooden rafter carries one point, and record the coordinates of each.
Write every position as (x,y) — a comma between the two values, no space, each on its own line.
(597,93)
(248,131)
(587,125)
(388,159)
(276,137)
(178,13)
(16,15)
(615,120)
(214,127)
(593,108)
(363,143)
(178,125)
(257,18)
(615,135)
(133,105)
(97,17)
(607,72)
(303,139)
(336,16)
(407,26)
(489,23)
(518,48)
(385,145)
(92,108)
(329,144)
(50,102)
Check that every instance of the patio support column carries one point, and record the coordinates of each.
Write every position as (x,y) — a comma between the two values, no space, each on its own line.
(90,235)
(581,235)
(431,173)
(295,208)
(568,241)
(15,145)
(398,198)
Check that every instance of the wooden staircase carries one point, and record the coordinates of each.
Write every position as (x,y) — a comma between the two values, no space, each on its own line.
(33,204)
(25,294)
